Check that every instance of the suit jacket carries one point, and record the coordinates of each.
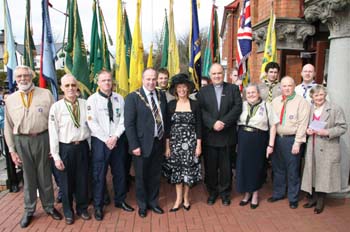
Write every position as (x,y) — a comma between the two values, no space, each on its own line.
(230,110)
(139,121)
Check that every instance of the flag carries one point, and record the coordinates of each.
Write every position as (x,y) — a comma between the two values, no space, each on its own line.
(121,71)
(150,57)
(164,61)
(128,41)
(48,52)
(99,54)
(212,50)
(173,52)
(9,49)
(76,59)
(29,47)
(95,63)
(195,47)
(270,52)
(244,41)
(136,58)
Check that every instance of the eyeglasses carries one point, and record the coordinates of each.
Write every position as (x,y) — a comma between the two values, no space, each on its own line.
(70,85)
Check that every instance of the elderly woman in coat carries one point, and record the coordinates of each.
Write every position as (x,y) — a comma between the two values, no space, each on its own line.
(322,160)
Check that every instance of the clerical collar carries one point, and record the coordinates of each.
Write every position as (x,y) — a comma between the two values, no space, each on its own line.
(218,85)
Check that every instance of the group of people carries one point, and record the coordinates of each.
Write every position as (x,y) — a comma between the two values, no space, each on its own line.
(167,130)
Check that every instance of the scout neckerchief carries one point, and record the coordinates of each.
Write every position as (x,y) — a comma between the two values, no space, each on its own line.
(270,85)
(252,109)
(109,104)
(285,99)
(306,87)
(27,98)
(74,111)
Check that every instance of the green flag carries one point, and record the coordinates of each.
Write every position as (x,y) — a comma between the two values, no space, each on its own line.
(212,51)
(95,62)
(29,48)
(76,59)
(128,40)
(164,61)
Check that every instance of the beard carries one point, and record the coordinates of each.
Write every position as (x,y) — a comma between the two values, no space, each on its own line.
(24,87)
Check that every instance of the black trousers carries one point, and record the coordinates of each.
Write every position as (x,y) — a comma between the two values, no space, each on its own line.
(147,176)
(101,158)
(218,170)
(74,178)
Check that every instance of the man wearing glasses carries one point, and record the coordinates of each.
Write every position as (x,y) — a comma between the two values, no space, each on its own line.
(26,124)
(69,147)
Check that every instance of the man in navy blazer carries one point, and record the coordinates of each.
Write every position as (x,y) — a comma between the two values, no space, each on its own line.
(221,106)
(146,142)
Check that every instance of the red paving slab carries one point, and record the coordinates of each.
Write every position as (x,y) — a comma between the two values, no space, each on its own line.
(268,217)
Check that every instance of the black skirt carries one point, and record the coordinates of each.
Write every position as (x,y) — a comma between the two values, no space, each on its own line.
(251,155)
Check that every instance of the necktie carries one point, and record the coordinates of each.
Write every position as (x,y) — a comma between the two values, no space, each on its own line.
(270,85)
(156,114)
(109,105)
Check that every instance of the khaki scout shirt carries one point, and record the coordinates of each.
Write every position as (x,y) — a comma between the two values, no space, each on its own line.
(20,120)
(296,117)
(264,91)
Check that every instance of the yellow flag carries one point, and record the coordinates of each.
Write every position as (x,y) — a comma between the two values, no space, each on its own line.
(136,56)
(173,54)
(150,57)
(270,52)
(121,72)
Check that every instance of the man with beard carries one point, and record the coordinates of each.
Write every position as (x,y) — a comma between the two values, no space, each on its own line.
(26,123)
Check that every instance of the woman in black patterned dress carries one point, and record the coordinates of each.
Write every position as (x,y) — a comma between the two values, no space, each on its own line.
(183,143)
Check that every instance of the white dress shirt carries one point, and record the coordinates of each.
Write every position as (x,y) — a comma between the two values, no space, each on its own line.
(62,128)
(98,119)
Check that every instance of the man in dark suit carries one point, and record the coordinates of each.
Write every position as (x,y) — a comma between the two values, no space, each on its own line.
(145,115)
(221,106)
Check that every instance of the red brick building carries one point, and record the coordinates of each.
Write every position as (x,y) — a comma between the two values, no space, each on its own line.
(298,42)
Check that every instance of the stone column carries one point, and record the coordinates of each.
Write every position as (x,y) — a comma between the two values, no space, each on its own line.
(336,15)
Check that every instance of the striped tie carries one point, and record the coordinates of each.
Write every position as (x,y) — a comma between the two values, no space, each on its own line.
(156,114)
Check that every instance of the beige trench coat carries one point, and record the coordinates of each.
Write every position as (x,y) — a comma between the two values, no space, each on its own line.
(322,161)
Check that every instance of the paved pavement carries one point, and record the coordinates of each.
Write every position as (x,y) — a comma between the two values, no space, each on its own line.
(268,217)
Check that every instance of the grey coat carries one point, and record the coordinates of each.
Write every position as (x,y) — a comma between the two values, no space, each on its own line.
(322,161)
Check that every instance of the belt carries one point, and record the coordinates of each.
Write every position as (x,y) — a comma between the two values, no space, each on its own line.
(34,134)
(74,142)
(250,129)
(285,136)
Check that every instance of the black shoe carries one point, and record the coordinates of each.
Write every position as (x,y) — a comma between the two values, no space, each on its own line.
(293,205)
(69,220)
(59,199)
(98,214)
(142,213)
(211,200)
(84,215)
(54,214)
(123,205)
(226,201)
(274,199)
(319,205)
(254,206)
(157,210)
(187,208)
(14,188)
(25,221)
(174,209)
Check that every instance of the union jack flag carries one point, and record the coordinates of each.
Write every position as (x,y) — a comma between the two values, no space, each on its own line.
(244,38)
